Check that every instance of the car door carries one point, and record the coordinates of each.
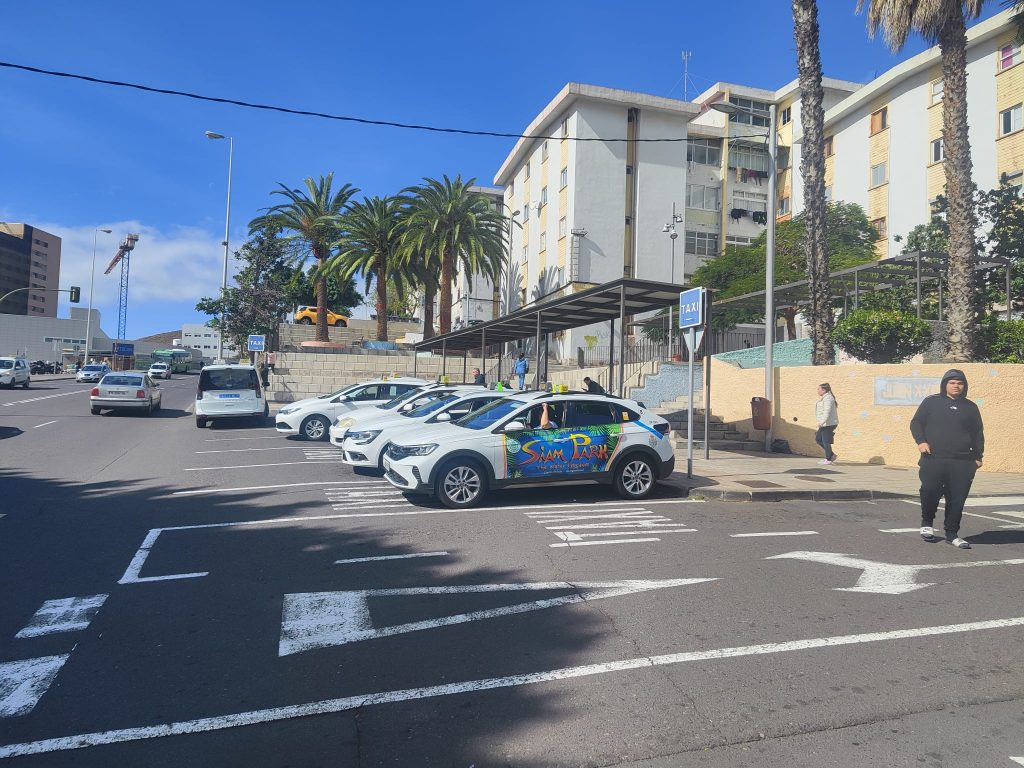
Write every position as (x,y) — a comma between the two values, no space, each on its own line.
(596,433)
(538,453)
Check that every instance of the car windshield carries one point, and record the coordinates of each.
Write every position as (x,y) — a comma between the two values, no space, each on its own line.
(430,407)
(111,380)
(341,391)
(489,414)
(93,368)
(6,363)
(396,401)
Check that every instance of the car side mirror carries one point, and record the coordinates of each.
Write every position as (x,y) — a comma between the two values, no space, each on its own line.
(406,407)
(444,417)
(515,426)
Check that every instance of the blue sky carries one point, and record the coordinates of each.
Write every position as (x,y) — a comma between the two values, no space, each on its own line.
(78,156)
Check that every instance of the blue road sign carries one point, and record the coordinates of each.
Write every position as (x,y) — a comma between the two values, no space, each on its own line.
(123,349)
(691,308)
(257,343)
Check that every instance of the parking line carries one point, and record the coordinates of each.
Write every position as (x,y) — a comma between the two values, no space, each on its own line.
(257,466)
(348,703)
(244,450)
(265,487)
(574,544)
(226,439)
(772,533)
(45,424)
(47,397)
(388,557)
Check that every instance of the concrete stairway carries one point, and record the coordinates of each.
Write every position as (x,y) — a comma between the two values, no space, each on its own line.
(721,436)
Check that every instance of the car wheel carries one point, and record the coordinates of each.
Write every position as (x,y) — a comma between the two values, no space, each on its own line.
(635,477)
(25,383)
(460,484)
(305,321)
(95,411)
(315,428)
(200,422)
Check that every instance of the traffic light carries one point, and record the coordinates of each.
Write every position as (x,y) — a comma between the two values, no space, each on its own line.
(76,294)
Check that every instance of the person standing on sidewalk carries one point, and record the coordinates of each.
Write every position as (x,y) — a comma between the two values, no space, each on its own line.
(826,413)
(520,369)
(951,438)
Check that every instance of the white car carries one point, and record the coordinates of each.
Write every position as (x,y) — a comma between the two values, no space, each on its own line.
(229,392)
(92,372)
(589,437)
(312,418)
(160,371)
(363,444)
(127,390)
(14,371)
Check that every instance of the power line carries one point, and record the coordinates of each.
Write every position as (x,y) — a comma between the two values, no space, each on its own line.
(311,113)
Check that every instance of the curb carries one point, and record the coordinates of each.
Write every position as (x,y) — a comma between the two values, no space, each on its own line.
(795,495)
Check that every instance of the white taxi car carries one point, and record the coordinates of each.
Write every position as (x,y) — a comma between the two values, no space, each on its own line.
(311,418)
(588,437)
(229,392)
(364,443)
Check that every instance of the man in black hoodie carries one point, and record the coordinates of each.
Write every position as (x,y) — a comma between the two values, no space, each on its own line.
(948,431)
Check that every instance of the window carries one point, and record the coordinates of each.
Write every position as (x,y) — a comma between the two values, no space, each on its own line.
(878,174)
(937,153)
(702,243)
(782,158)
(750,158)
(629,221)
(879,120)
(750,201)
(589,413)
(787,115)
(881,228)
(526,211)
(544,151)
(703,197)
(783,206)
(543,197)
(759,109)
(564,131)
(563,178)
(938,87)
(629,170)
(1015,179)
(829,147)
(1010,120)
(738,240)
(525,254)
(511,187)
(543,241)
(1008,56)
(704,151)
(562,227)
(527,171)
(828,194)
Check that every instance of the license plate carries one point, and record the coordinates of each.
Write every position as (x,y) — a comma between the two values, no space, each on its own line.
(387,463)
(229,397)
(116,392)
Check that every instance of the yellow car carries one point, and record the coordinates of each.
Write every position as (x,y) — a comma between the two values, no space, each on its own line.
(307,316)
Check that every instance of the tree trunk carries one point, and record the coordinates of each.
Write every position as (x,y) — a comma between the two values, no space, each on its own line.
(959,189)
(321,297)
(789,315)
(812,169)
(382,300)
(445,310)
(428,311)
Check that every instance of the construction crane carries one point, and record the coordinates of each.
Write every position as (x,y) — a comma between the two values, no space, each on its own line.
(123,255)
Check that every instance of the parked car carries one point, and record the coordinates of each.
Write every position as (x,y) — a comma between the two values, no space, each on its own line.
(229,392)
(414,398)
(130,390)
(44,366)
(160,371)
(92,372)
(311,418)
(363,444)
(589,437)
(309,315)
(14,371)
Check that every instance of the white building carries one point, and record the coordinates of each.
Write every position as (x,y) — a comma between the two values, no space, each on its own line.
(479,302)
(59,338)
(206,340)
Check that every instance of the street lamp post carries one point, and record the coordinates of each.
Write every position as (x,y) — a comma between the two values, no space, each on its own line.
(92,281)
(769,267)
(670,228)
(227,229)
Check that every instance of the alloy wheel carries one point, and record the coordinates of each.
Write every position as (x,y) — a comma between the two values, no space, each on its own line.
(462,484)
(637,477)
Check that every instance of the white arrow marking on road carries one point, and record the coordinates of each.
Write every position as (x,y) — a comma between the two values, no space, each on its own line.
(68,614)
(46,397)
(22,683)
(884,578)
(325,619)
(1018,760)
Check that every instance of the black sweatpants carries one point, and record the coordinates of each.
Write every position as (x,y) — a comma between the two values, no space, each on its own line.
(949,478)
(824,437)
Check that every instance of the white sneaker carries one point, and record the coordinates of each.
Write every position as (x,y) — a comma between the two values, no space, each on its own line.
(927,533)
(960,543)
(824,461)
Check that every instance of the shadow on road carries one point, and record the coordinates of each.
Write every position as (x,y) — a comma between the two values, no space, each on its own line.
(6,432)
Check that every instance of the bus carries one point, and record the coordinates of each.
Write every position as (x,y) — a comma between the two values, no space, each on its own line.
(180,360)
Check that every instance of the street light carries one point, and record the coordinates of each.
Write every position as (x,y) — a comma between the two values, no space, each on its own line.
(227,227)
(769,267)
(92,280)
(670,230)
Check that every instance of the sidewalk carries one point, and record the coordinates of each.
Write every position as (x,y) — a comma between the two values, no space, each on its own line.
(779,477)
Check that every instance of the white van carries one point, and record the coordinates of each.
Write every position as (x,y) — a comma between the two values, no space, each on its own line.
(229,392)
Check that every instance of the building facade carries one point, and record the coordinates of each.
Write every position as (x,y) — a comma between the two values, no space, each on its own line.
(29,259)
(206,340)
(477,300)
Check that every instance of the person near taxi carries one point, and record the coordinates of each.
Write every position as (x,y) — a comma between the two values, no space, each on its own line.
(547,418)
(520,369)
(592,386)
(478,378)
(826,414)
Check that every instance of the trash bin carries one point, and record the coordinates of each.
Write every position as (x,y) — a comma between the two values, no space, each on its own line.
(761,412)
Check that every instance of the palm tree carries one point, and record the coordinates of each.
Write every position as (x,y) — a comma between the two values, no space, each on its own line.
(369,243)
(945,22)
(422,268)
(812,169)
(312,220)
(449,223)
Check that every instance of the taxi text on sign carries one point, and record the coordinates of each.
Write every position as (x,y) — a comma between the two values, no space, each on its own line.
(691,308)
(257,343)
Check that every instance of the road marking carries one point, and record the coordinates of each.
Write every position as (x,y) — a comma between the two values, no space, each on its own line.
(478,510)
(46,397)
(574,544)
(227,439)
(22,683)
(68,614)
(45,424)
(884,578)
(349,703)
(326,619)
(265,487)
(131,575)
(983,501)
(899,530)
(1018,760)
(628,521)
(257,466)
(772,533)
(992,517)
(245,450)
(388,557)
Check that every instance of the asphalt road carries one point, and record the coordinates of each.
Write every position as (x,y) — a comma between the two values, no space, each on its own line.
(228,597)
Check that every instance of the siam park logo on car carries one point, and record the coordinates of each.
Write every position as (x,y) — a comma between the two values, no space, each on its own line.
(537,453)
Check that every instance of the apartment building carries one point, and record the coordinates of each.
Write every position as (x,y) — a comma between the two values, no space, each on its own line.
(476,300)
(29,258)
(206,340)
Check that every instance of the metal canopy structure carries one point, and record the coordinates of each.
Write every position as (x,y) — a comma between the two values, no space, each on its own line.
(917,269)
(609,302)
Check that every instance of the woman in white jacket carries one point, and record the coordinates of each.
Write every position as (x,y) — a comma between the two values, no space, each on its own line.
(826,413)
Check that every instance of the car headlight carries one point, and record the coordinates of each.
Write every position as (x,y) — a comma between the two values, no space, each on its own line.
(401,451)
(362,438)
(344,421)
(288,409)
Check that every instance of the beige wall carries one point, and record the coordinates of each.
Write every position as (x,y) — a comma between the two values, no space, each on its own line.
(870,433)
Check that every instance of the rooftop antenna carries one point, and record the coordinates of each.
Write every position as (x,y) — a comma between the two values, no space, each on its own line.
(686,73)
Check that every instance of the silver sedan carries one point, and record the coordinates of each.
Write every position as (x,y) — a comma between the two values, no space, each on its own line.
(131,390)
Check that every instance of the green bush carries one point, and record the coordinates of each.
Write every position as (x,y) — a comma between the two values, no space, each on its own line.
(882,336)
(1006,342)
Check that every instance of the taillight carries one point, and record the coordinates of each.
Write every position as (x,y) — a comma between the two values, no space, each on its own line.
(94,392)
(140,394)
